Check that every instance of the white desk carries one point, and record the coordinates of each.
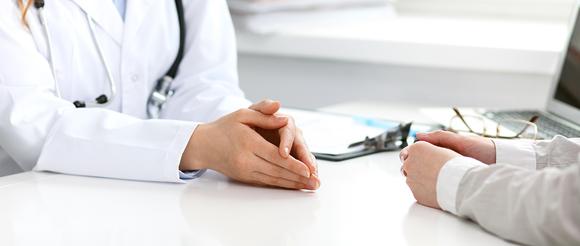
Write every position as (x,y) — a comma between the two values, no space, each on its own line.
(361,202)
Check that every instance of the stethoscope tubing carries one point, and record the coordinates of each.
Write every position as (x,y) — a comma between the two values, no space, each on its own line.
(45,29)
(158,96)
(111,80)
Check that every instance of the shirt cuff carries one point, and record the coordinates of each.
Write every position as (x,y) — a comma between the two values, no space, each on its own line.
(188,175)
(519,153)
(449,178)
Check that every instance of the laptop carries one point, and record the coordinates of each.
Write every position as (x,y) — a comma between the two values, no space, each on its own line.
(562,114)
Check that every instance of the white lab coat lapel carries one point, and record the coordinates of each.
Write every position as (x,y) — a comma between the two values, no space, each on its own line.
(136,12)
(100,11)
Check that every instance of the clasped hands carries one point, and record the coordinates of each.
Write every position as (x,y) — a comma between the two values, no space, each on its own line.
(255,145)
(260,146)
(423,160)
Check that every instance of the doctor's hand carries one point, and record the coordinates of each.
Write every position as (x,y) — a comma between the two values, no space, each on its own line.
(232,147)
(480,148)
(422,162)
(288,138)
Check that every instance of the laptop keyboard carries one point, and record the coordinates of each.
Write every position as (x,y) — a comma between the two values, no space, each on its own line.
(547,127)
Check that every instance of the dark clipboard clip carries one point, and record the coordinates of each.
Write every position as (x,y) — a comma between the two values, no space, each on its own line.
(391,140)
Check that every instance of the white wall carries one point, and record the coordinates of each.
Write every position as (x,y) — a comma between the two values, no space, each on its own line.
(312,66)
(311,83)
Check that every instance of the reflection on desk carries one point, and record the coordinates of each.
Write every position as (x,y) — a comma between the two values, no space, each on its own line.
(361,202)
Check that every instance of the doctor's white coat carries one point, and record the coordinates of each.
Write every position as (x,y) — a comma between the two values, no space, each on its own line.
(41,131)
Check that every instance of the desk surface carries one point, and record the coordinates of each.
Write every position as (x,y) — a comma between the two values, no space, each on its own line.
(361,202)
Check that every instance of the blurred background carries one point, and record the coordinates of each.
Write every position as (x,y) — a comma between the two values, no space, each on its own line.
(478,53)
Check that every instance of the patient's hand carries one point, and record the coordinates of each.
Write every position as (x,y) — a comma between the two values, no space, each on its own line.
(422,162)
(480,148)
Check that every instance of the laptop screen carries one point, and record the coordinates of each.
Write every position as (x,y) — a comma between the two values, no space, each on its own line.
(568,87)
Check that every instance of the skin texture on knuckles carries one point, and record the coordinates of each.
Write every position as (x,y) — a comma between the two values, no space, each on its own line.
(249,146)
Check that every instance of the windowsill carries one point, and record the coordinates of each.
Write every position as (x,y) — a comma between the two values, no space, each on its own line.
(379,35)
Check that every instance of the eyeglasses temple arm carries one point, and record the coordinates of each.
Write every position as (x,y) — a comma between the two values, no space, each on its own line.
(462,119)
(532,120)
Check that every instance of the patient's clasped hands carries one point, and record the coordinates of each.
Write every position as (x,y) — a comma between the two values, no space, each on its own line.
(255,145)
(423,160)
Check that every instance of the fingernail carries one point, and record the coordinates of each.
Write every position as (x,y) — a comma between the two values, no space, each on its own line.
(306,173)
(420,135)
(286,152)
(313,184)
(403,155)
(313,161)
(315,165)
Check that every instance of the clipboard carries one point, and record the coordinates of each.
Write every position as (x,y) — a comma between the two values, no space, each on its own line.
(393,139)
(345,156)
(330,136)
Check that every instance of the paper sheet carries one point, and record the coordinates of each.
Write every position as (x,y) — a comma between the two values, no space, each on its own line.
(331,133)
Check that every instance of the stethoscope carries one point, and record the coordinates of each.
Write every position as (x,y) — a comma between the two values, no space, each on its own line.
(162,90)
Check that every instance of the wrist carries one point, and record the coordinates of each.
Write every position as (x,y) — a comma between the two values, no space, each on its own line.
(192,158)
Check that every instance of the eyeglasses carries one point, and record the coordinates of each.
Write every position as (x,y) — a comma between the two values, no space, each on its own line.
(505,129)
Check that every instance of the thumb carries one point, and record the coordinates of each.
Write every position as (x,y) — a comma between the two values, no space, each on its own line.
(260,120)
(266,106)
(441,138)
